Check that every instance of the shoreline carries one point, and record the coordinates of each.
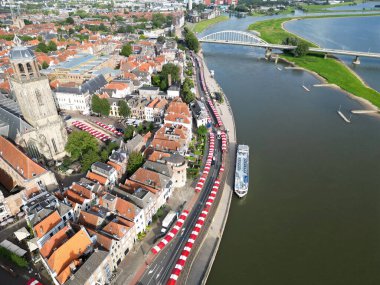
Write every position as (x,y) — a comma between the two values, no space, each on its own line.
(363,101)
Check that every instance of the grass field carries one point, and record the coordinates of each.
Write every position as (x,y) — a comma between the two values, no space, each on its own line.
(332,70)
(203,25)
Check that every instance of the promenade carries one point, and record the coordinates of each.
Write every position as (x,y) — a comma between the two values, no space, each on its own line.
(204,257)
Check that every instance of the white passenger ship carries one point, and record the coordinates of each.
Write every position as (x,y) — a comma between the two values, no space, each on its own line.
(242,170)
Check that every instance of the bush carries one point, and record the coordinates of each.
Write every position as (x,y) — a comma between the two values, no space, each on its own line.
(19,261)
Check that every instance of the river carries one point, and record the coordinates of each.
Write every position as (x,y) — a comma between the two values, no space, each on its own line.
(312,213)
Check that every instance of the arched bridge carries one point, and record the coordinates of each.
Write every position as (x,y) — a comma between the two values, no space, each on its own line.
(241,38)
(251,39)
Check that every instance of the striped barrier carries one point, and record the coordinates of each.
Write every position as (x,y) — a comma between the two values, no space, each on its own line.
(91,131)
(170,235)
(108,128)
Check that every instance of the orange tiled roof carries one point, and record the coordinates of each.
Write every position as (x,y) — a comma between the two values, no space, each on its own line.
(131,186)
(89,220)
(115,165)
(81,190)
(178,107)
(177,118)
(73,196)
(163,144)
(54,242)
(116,86)
(102,240)
(158,155)
(125,209)
(116,229)
(68,252)
(95,177)
(47,224)
(147,177)
(19,161)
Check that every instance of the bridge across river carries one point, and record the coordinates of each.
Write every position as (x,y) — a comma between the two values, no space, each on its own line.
(231,37)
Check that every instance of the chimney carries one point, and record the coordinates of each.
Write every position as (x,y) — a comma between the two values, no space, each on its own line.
(169,80)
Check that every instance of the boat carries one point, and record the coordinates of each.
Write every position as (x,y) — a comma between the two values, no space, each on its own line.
(242,170)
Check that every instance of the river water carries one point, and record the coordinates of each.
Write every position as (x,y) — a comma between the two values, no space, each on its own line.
(312,214)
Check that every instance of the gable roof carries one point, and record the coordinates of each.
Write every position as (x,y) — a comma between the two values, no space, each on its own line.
(47,224)
(95,177)
(54,242)
(19,161)
(71,250)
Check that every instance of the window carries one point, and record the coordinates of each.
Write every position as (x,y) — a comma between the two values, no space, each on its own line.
(54,145)
(39,97)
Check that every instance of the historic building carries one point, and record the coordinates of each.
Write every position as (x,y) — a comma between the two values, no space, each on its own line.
(48,136)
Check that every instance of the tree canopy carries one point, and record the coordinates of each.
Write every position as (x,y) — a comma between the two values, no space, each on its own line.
(44,65)
(191,40)
(161,79)
(100,106)
(202,131)
(126,50)
(135,161)
(128,132)
(70,21)
(187,94)
(80,143)
(302,47)
(124,109)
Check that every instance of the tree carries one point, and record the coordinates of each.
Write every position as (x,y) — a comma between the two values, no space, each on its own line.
(124,109)
(100,106)
(70,21)
(88,159)
(202,131)
(126,50)
(52,46)
(128,132)
(167,69)
(42,47)
(191,40)
(130,29)
(79,143)
(161,39)
(302,48)
(104,155)
(27,22)
(44,65)
(134,162)
(187,95)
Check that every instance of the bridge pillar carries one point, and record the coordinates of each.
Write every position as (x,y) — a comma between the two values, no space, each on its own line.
(356,60)
(326,56)
(268,53)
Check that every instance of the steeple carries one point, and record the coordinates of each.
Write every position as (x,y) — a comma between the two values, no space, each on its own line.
(24,62)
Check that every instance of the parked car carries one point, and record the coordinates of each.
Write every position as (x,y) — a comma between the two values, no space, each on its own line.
(33,281)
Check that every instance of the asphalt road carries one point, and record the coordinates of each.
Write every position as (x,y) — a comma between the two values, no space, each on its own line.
(159,271)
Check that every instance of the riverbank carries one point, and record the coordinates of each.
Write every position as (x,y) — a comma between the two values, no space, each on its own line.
(203,25)
(332,70)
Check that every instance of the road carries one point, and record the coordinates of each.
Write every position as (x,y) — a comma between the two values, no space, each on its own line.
(158,272)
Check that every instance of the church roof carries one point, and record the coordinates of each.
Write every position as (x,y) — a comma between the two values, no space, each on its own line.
(21,52)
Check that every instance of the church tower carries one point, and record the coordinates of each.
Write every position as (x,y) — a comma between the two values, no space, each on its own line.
(36,102)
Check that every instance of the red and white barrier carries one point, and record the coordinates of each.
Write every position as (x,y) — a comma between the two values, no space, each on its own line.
(91,131)
(170,235)
(108,128)
(207,166)
(224,141)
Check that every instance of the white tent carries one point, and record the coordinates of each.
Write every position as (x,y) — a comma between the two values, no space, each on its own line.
(32,244)
(13,248)
(22,234)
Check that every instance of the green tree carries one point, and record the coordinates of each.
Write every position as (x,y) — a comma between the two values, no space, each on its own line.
(42,47)
(104,155)
(44,65)
(187,95)
(202,131)
(161,39)
(126,50)
(130,29)
(52,46)
(135,161)
(128,132)
(70,21)
(191,40)
(100,106)
(124,109)
(302,49)
(173,70)
(27,22)
(88,159)
(79,143)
